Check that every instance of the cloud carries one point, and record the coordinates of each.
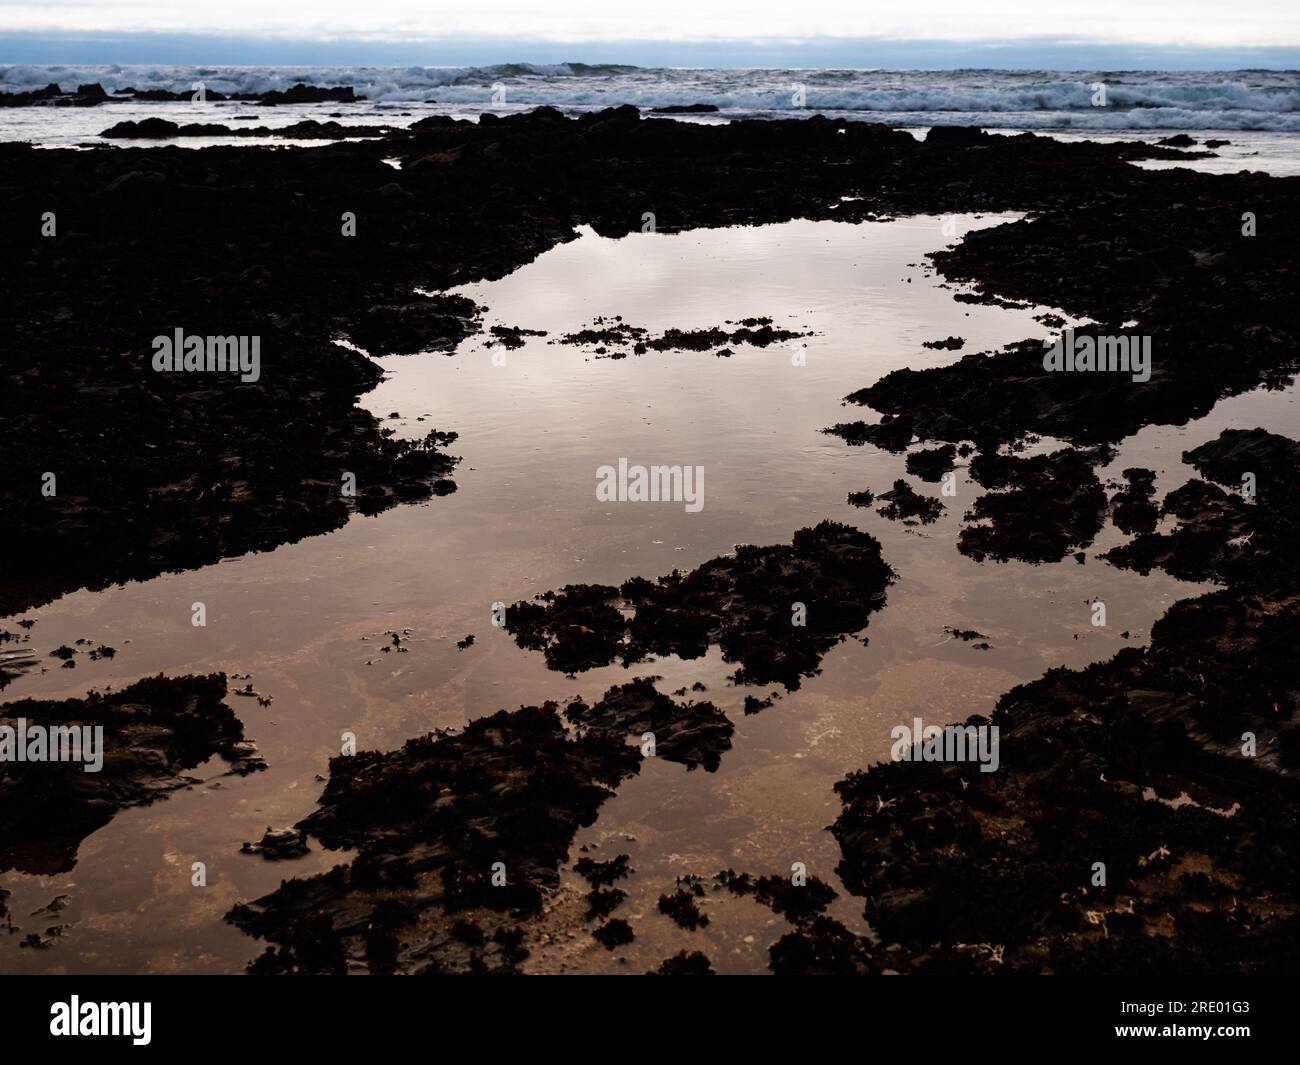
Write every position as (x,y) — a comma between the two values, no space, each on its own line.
(1194,23)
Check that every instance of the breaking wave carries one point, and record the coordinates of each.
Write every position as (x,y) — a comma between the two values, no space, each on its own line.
(1245,100)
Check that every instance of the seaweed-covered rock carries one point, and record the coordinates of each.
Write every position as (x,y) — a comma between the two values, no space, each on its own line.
(1134,826)
(151,734)
(1037,508)
(746,604)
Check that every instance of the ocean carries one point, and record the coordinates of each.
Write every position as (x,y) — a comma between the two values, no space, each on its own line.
(1020,99)
(1257,110)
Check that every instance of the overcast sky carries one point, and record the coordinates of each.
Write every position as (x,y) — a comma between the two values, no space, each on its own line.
(1161,24)
(1199,22)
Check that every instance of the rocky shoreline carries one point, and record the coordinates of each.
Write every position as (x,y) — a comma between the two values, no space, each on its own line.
(104,251)
(434,823)
(1138,764)
(93,94)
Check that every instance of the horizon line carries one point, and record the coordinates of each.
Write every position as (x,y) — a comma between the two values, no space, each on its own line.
(107,48)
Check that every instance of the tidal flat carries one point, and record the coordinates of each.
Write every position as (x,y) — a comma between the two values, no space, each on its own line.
(412,760)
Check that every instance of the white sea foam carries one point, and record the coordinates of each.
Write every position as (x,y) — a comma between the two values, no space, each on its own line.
(1247,100)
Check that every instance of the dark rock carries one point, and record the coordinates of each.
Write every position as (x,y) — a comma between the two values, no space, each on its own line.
(1131,508)
(684,109)
(932,464)
(278,844)
(147,127)
(613,933)
(1221,535)
(431,827)
(597,872)
(153,732)
(683,909)
(743,603)
(903,503)
(956,137)
(1137,763)
(1037,509)
(797,902)
(685,963)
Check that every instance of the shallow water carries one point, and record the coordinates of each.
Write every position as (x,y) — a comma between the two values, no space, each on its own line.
(308,620)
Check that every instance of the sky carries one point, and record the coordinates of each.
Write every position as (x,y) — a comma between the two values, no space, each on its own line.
(947,32)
